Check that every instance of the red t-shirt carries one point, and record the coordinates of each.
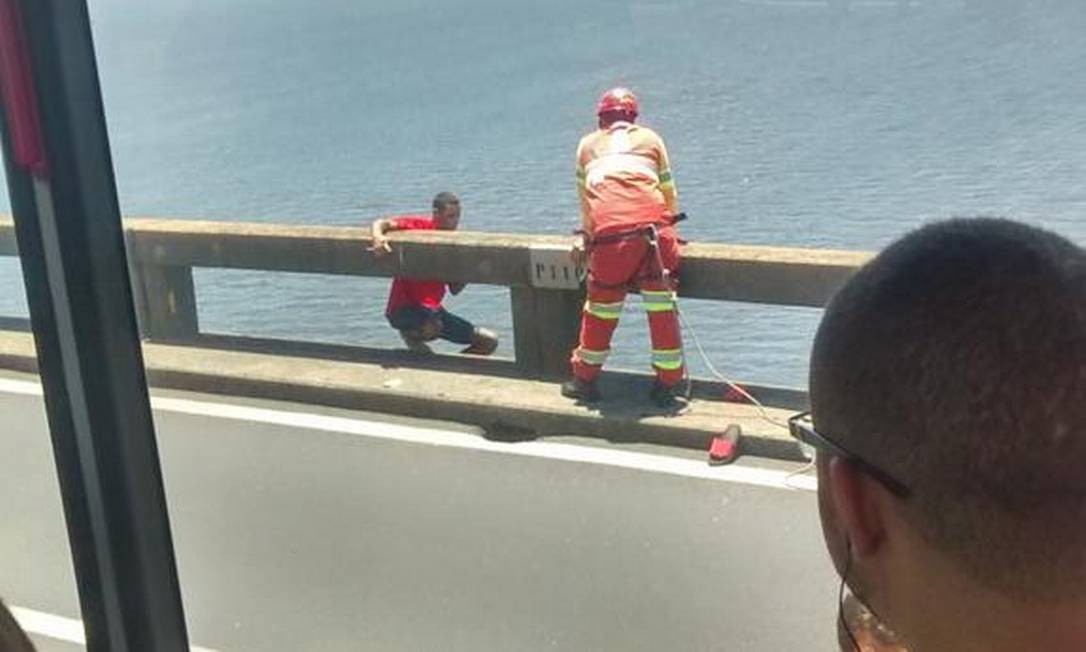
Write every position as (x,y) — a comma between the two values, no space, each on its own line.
(414,292)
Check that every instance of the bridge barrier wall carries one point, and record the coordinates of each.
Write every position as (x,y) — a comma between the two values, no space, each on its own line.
(545,294)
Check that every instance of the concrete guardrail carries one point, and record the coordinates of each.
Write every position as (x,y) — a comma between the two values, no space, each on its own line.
(545,294)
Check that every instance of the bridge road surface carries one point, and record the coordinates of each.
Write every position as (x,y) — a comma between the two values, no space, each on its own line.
(295,538)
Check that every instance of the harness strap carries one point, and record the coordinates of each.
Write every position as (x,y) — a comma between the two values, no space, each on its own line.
(620,236)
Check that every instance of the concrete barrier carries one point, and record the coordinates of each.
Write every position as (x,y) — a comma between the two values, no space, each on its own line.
(544,303)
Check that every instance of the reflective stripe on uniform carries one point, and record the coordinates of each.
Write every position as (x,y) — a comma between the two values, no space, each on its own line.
(658,300)
(613,164)
(580,176)
(668,359)
(608,311)
(665,178)
(588,356)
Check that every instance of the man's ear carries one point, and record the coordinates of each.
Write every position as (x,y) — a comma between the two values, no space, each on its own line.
(857,503)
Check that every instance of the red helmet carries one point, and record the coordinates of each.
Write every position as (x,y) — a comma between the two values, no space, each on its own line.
(617,100)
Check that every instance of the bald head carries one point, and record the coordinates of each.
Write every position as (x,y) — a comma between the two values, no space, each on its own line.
(956,361)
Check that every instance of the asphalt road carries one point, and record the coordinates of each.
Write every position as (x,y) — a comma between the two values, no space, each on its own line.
(291,538)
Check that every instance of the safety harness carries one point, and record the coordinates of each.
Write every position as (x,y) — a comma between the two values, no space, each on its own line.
(651,233)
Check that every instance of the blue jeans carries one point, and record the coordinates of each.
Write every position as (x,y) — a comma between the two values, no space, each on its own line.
(413,318)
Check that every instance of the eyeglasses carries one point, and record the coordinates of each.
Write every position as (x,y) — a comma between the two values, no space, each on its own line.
(802,429)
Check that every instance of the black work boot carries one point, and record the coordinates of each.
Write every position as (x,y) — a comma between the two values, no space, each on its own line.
(666,396)
(580,390)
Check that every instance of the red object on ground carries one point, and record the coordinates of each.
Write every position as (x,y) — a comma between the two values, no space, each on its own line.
(724,448)
(414,292)
(733,395)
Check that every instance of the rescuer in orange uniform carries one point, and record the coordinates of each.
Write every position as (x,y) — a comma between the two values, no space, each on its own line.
(628,208)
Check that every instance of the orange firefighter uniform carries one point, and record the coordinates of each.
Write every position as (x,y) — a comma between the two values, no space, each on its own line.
(625,188)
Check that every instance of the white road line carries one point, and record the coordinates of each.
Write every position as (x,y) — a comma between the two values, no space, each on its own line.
(434,437)
(59,628)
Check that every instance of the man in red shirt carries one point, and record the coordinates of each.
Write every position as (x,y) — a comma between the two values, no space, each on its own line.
(414,306)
